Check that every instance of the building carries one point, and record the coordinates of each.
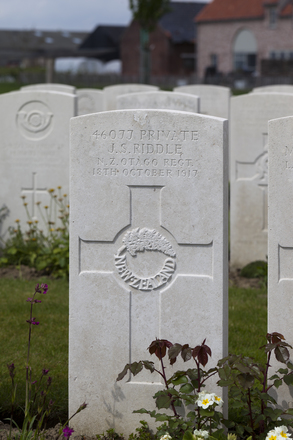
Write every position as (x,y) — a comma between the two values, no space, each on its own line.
(172,43)
(103,43)
(238,35)
(25,48)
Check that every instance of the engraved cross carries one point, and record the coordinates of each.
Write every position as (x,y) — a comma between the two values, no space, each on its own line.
(257,171)
(150,265)
(33,191)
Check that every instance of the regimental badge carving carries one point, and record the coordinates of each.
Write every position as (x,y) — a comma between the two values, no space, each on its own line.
(261,167)
(34,120)
(141,240)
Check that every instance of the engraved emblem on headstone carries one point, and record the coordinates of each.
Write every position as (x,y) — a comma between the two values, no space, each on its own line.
(257,171)
(34,120)
(141,240)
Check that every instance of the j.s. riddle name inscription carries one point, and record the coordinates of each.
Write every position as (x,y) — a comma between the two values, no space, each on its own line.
(144,153)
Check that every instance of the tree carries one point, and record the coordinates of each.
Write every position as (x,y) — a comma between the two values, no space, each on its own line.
(147,13)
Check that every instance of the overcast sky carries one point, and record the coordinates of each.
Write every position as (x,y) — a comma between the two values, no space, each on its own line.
(74,15)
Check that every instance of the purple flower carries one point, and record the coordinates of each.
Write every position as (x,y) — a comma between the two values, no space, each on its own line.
(11,369)
(29,300)
(32,321)
(34,382)
(49,381)
(67,431)
(45,288)
(37,301)
(45,372)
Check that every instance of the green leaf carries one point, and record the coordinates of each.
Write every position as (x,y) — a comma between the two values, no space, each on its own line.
(136,367)
(174,351)
(149,366)
(206,412)
(278,383)
(289,411)
(163,401)
(225,383)
(242,368)
(123,372)
(283,370)
(179,380)
(282,354)
(186,388)
(141,411)
(188,436)
(288,379)
(161,417)
(246,380)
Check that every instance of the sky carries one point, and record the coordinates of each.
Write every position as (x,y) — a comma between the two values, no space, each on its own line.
(74,15)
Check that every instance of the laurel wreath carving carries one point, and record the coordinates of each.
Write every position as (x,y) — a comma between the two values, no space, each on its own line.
(139,240)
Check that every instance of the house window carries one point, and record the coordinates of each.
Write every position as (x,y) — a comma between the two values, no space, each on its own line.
(272,17)
(245,51)
(214,60)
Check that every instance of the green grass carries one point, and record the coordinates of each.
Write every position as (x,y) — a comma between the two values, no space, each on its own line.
(248,322)
(247,330)
(49,348)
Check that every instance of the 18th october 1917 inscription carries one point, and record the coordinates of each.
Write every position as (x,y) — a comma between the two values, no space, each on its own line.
(144,153)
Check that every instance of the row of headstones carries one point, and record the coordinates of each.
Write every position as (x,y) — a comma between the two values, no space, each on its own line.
(215,100)
(149,230)
(149,251)
(35,154)
(34,141)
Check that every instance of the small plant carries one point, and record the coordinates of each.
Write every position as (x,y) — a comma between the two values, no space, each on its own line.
(253,408)
(182,389)
(256,269)
(37,407)
(47,251)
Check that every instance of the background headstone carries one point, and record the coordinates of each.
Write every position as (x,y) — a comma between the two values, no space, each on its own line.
(280,88)
(111,92)
(89,101)
(249,172)
(159,100)
(280,238)
(214,100)
(159,178)
(34,147)
(53,87)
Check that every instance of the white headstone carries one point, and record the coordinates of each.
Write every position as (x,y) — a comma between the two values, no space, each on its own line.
(89,101)
(159,100)
(214,100)
(53,87)
(280,238)
(34,146)
(249,172)
(111,92)
(158,178)
(280,88)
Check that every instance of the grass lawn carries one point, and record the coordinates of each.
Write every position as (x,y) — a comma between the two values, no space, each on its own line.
(247,330)
(49,347)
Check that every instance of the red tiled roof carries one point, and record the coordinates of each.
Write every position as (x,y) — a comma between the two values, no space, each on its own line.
(287,11)
(237,9)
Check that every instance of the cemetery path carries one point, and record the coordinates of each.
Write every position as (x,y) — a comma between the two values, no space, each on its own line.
(24,272)
(235,280)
